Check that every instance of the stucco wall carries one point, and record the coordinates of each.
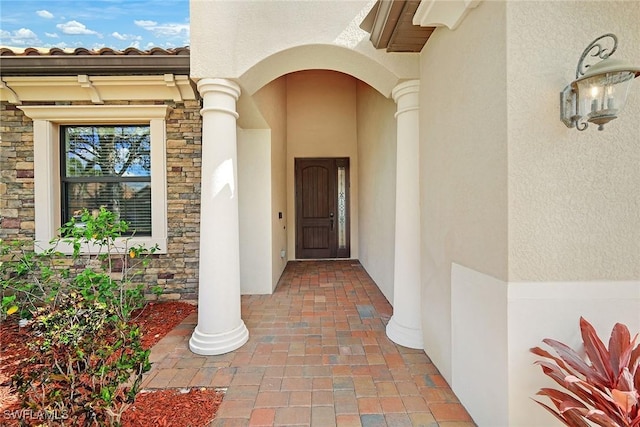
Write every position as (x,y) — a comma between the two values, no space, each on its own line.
(245,39)
(254,208)
(376,184)
(559,207)
(574,227)
(463,164)
(573,196)
(272,102)
(321,122)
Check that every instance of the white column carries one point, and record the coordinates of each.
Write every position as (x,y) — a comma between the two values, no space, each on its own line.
(220,328)
(404,327)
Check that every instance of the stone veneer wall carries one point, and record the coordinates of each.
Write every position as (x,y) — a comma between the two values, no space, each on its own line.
(177,270)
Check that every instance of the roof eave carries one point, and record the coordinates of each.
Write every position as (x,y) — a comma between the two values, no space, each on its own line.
(95,65)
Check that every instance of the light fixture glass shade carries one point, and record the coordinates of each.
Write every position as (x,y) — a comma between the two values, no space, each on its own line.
(600,97)
(600,90)
(603,90)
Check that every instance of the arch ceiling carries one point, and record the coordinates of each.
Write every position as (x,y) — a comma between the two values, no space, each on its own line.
(320,56)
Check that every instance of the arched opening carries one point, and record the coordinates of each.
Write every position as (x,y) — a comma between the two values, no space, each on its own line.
(321,57)
(320,113)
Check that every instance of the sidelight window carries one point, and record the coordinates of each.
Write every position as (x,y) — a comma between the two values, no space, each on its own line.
(342,207)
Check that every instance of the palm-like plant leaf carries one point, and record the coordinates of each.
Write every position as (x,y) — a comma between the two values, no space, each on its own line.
(563,402)
(619,348)
(625,400)
(543,353)
(625,380)
(602,389)
(600,418)
(573,359)
(598,399)
(634,367)
(596,351)
(557,414)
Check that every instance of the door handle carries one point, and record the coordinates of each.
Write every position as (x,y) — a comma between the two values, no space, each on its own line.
(331,220)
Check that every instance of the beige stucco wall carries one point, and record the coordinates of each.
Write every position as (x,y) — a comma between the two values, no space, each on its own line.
(540,221)
(574,223)
(254,207)
(245,40)
(574,203)
(321,122)
(463,164)
(272,103)
(377,185)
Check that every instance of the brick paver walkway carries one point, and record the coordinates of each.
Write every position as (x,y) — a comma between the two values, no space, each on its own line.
(317,355)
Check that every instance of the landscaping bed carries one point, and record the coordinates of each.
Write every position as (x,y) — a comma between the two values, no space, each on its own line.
(171,407)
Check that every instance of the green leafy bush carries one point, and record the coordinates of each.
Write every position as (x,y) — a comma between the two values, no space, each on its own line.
(103,267)
(83,354)
(87,358)
(27,279)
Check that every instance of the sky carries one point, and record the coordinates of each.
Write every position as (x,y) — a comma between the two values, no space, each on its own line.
(94,24)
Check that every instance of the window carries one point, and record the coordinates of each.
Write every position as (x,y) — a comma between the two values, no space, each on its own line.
(71,170)
(110,167)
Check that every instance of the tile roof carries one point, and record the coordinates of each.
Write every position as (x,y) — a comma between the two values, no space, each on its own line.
(106,61)
(81,51)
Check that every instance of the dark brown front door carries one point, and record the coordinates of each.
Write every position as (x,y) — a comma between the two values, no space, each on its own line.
(322,208)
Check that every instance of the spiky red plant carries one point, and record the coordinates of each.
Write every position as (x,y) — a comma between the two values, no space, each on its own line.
(602,389)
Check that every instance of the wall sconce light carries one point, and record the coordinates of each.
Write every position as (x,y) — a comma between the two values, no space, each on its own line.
(600,90)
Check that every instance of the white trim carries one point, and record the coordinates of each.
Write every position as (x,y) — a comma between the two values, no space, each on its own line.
(65,114)
(96,89)
(7,93)
(46,157)
(479,346)
(439,13)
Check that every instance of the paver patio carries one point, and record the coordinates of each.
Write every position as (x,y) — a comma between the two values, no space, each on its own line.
(317,355)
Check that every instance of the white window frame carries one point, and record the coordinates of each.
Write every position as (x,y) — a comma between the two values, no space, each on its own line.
(46,157)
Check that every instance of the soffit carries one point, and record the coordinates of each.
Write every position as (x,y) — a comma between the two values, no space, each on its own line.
(96,89)
(390,23)
(95,76)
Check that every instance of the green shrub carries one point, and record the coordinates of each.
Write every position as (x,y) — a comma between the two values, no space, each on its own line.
(85,348)
(83,354)
(103,267)
(27,279)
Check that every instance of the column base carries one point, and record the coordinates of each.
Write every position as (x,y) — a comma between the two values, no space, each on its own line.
(214,344)
(404,336)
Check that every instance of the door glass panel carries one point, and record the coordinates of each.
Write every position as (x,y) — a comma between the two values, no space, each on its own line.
(342,207)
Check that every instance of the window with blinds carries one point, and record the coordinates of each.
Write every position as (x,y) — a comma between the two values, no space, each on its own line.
(108,166)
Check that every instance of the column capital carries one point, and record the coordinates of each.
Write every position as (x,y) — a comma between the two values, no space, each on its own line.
(218,96)
(405,88)
(226,86)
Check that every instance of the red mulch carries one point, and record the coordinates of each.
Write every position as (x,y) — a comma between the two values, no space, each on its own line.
(157,319)
(175,408)
(194,408)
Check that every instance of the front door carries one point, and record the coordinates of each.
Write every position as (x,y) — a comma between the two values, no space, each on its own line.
(322,208)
